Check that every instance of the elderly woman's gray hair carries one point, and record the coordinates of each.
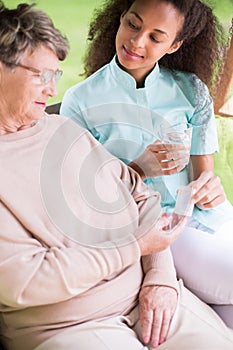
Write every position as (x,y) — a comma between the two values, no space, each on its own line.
(25,28)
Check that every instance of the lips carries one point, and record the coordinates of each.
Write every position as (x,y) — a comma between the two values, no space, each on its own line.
(41,104)
(131,54)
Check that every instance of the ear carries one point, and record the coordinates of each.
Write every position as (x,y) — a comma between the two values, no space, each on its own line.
(175,47)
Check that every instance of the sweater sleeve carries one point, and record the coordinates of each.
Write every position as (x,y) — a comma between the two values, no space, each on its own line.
(159,267)
(159,270)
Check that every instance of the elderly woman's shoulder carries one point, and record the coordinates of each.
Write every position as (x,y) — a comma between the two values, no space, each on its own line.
(67,126)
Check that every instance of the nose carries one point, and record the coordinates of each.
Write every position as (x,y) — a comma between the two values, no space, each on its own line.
(51,88)
(138,40)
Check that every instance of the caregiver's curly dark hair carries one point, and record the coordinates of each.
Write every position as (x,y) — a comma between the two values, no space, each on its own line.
(202,37)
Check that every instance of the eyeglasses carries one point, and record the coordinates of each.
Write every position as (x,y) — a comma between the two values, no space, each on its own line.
(46,75)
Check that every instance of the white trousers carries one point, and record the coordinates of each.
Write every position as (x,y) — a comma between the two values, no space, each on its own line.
(204,261)
(195,326)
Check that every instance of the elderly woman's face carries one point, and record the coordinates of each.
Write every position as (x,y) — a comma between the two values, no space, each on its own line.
(23,94)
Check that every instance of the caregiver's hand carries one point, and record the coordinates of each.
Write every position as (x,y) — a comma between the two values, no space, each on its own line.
(208,191)
(161,159)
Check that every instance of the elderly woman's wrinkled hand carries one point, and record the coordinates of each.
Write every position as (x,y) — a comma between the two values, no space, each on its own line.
(157,236)
(157,305)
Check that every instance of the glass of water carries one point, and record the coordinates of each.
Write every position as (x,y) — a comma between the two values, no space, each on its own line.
(176,134)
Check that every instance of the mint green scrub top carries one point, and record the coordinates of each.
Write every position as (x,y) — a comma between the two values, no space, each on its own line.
(126,119)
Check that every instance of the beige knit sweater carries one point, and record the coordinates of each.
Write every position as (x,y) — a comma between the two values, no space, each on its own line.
(69,217)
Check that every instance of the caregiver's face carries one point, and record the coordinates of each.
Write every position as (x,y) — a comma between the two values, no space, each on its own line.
(146,33)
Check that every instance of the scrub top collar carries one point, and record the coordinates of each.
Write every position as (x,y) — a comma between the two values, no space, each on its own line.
(127,80)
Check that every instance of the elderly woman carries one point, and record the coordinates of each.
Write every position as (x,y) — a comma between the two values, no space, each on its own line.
(84,257)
